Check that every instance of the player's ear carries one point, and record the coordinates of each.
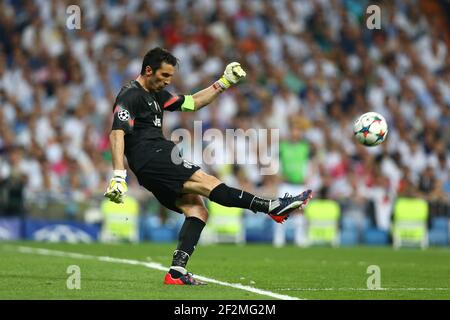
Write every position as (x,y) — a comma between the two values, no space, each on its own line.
(148,71)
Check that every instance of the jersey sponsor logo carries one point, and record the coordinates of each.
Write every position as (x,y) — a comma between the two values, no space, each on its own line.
(157,121)
(123,115)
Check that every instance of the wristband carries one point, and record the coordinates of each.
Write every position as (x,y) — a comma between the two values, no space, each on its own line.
(120,173)
(218,87)
(223,83)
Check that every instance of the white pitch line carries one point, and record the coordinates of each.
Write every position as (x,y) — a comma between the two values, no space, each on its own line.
(151,265)
(364,289)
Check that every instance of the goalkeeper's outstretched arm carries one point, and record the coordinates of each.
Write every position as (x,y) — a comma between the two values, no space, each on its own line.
(116,140)
(233,74)
(117,185)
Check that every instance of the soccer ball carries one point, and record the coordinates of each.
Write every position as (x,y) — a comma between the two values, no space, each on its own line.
(370,129)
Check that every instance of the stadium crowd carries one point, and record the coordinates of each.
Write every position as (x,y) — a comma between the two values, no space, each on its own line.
(311,65)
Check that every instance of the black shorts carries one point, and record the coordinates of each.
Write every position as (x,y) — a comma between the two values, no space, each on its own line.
(165,173)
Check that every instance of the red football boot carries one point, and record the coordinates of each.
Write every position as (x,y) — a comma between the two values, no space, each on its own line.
(186,279)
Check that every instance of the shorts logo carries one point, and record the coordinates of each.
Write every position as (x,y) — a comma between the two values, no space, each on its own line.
(123,115)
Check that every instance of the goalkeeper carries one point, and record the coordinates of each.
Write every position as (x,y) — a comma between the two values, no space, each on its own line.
(157,163)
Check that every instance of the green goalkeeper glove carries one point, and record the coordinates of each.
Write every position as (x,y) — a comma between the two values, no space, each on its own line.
(233,74)
(117,187)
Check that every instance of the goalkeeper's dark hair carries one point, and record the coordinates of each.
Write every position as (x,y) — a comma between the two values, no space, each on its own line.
(155,57)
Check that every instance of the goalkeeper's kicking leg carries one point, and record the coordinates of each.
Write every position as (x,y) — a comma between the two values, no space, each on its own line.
(196,216)
(217,191)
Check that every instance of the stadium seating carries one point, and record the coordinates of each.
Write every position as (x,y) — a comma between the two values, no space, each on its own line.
(438,233)
(258,228)
(349,231)
(162,234)
(349,237)
(375,236)
(348,223)
(154,230)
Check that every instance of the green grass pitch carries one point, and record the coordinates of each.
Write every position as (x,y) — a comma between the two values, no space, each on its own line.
(304,273)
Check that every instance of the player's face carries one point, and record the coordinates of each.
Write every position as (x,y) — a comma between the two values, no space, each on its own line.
(156,81)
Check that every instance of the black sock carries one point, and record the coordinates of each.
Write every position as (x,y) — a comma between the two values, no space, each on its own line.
(187,240)
(232,197)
